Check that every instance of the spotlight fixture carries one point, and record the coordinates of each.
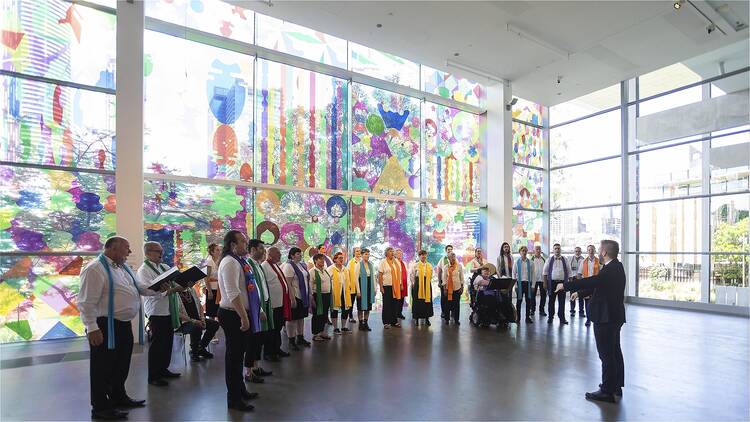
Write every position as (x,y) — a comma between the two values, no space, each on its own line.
(456,54)
(677,4)
(511,103)
(379,25)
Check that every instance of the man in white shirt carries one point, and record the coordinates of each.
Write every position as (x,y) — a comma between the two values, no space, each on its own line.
(389,279)
(162,311)
(280,301)
(443,261)
(452,286)
(575,264)
(109,333)
(556,272)
(537,281)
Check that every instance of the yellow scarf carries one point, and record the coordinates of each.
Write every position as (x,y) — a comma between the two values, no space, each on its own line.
(423,290)
(451,269)
(353,275)
(395,278)
(336,283)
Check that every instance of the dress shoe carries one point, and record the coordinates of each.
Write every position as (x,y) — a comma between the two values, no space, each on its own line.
(248,395)
(564,322)
(170,374)
(572,312)
(254,379)
(202,352)
(618,391)
(194,357)
(108,415)
(588,323)
(549,321)
(302,342)
(293,345)
(529,320)
(352,320)
(262,372)
(128,402)
(581,315)
(599,395)
(159,383)
(457,322)
(241,406)
(283,354)
(542,313)
(345,330)
(427,322)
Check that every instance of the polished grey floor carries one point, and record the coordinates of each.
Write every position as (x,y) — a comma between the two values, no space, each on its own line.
(679,365)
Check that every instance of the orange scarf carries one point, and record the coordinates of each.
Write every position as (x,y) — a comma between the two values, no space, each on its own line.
(395,279)
(586,267)
(451,269)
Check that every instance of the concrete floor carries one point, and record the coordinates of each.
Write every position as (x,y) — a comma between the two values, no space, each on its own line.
(679,365)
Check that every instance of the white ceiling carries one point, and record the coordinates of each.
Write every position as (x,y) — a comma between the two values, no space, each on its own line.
(607,41)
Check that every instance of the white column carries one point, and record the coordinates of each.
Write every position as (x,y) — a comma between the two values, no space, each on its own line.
(499,168)
(705,204)
(629,225)
(129,145)
(546,185)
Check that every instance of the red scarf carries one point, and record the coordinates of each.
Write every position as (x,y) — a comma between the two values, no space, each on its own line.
(286,302)
(404,278)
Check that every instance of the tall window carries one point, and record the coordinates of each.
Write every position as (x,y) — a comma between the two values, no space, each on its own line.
(57,146)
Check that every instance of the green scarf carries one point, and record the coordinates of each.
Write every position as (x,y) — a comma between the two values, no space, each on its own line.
(318,293)
(174,307)
(265,302)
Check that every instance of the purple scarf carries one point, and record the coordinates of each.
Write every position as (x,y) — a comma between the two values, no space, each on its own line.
(302,284)
(253,298)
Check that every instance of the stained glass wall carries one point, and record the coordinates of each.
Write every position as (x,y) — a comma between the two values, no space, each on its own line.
(385,142)
(529,162)
(57,145)
(452,153)
(450,86)
(302,134)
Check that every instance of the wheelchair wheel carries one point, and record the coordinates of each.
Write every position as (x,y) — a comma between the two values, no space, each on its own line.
(474,318)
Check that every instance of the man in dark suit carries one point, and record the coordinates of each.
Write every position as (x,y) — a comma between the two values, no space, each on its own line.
(607,312)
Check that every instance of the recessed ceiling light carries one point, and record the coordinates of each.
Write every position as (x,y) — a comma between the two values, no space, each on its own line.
(379,25)
(677,5)
(456,54)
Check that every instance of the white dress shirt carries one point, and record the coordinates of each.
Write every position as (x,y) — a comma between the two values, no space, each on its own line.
(212,269)
(275,290)
(575,265)
(157,304)
(558,269)
(93,297)
(385,269)
(458,276)
(291,278)
(325,280)
(232,283)
(537,269)
(524,276)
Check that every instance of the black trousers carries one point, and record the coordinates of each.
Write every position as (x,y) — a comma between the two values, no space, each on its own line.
(443,303)
(320,316)
(586,305)
(560,302)
(400,307)
(523,294)
(543,296)
(235,349)
(272,345)
(608,345)
(453,307)
(389,306)
(160,351)
(254,344)
(108,369)
(581,306)
(200,338)
(350,313)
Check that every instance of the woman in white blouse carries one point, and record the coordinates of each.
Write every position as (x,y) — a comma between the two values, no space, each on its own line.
(298,279)
(212,280)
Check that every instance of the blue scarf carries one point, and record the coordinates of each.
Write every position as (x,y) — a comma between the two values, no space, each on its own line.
(364,283)
(302,284)
(528,275)
(111,305)
(253,298)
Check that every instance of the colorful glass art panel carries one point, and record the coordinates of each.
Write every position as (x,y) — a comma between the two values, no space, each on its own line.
(289,219)
(527,145)
(56,125)
(302,134)
(55,211)
(212,16)
(378,64)
(198,110)
(376,225)
(38,297)
(185,218)
(527,188)
(527,230)
(297,40)
(59,40)
(459,226)
(452,155)
(385,142)
(527,111)
(450,86)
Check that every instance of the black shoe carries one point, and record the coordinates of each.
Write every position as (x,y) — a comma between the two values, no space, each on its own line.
(581,315)
(572,312)
(202,352)
(108,415)
(427,322)
(283,354)
(169,374)
(272,358)
(128,402)
(248,395)
(588,323)
(564,322)
(194,357)
(401,316)
(345,330)
(302,342)
(618,391)
(158,383)
(542,313)
(254,379)
(367,326)
(293,345)
(599,395)
(529,320)
(361,326)
(336,331)
(241,406)
(352,320)
(549,321)
(457,322)
(262,372)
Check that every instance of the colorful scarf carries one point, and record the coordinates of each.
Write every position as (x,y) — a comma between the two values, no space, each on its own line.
(365,284)
(424,281)
(395,279)
(286,302)
(319,292)
(586,267)
(404,279)
(528,276)
(449,287)
(302,281)
(338,287)
(265,300)
(111,305)
(253,298)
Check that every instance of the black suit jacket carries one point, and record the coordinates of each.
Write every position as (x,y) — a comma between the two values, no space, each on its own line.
(607,290)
